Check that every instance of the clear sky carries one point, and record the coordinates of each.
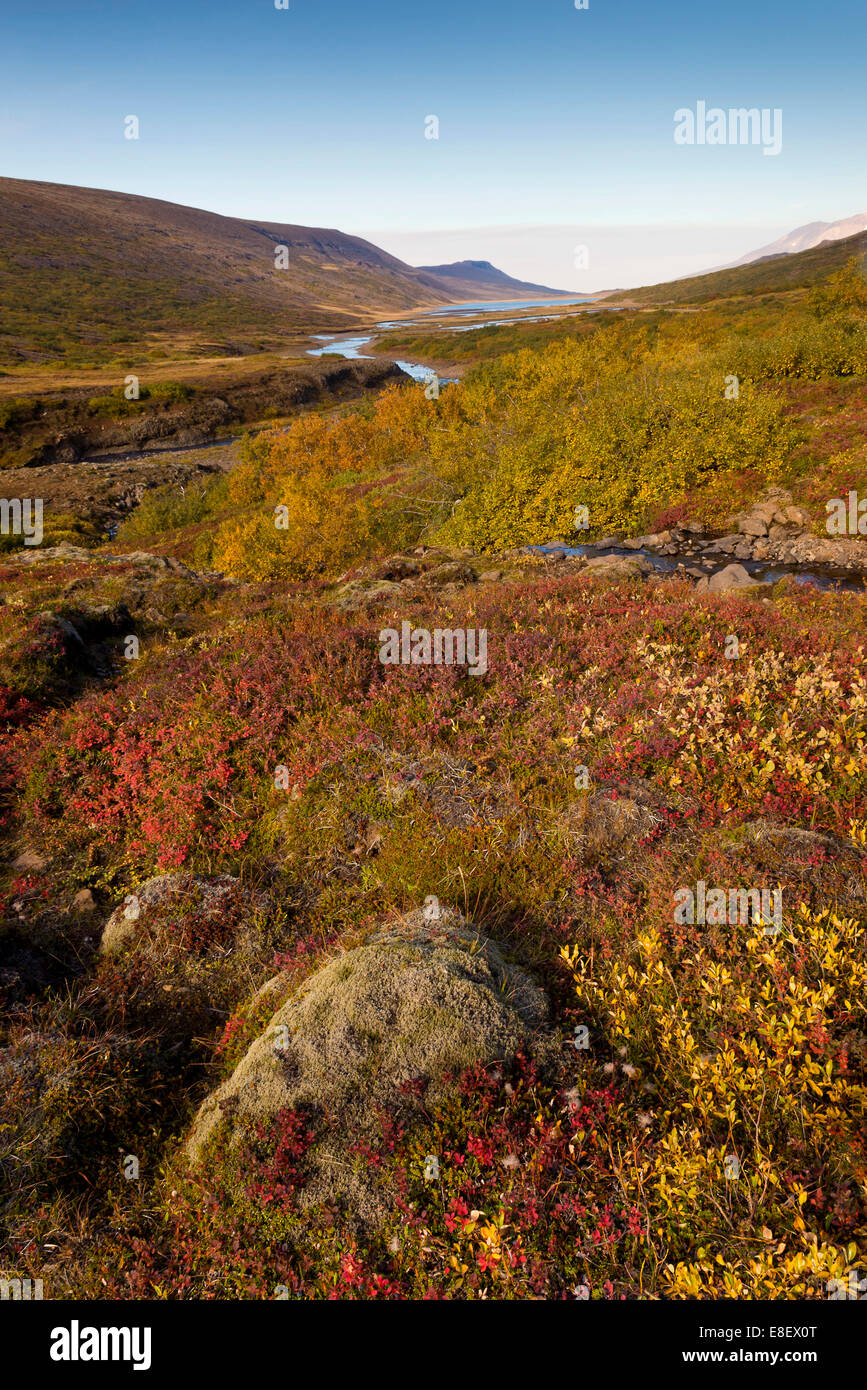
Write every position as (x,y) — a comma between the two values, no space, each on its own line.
(555,124)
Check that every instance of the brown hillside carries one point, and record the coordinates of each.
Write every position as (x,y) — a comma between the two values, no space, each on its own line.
(85,273)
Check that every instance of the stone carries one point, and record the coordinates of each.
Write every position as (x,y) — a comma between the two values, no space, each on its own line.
(358,593)
(50,622)
(28,859)
(732,577)
(617,566)
(453,573)
(726,543)
(401,1015)
(84,901)
(190,909)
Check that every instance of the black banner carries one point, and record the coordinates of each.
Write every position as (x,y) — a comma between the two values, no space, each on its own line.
(83,1341)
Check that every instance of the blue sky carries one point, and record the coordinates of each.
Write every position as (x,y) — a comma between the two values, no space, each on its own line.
(555,124)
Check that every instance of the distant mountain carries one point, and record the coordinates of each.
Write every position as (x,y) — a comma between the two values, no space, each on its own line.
(804,239)
(87,274)
(764,275)
(484,276)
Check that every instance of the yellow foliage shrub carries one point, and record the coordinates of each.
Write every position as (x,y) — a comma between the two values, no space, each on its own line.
(745,1089)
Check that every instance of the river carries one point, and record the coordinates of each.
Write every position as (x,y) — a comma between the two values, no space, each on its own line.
(350,346)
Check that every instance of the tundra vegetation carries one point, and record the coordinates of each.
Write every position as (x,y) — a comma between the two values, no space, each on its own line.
(648,1108)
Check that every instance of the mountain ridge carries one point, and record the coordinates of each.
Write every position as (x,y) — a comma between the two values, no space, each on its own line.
(768,275)
(484,273)
(87,272)
(805,238)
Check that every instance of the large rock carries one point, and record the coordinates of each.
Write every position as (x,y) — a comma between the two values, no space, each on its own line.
(725,544)
(617,567)
(845,552)
(195,912)
(420,1000)
(359,592)
(732,577)
(759,831)
(752,525)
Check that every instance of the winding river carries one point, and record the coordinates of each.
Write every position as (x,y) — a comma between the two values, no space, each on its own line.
(350,346)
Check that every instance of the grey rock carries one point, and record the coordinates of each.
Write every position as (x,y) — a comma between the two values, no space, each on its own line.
(618,566)
(420,1001)
(726,544)
(171,900)
(732,577)
(29,859)
(752,525)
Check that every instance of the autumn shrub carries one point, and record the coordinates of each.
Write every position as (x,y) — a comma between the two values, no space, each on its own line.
(313,498)
(749,1112)
(817,349)
(543,434)
(170,507)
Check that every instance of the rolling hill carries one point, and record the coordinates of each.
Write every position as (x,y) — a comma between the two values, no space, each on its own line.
(772,274)
(86,274)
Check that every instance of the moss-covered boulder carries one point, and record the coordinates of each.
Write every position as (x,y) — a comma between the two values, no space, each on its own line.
(402,1015)
(187,912)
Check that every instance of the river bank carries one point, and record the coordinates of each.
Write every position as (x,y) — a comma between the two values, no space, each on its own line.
(769,541)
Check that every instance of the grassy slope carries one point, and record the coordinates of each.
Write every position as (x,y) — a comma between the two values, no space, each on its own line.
(84,269)
(779,273)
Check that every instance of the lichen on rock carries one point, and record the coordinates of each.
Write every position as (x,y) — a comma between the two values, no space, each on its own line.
(423,999)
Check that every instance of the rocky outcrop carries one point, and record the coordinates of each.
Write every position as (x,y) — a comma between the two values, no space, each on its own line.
(441,569)
(772,531)
(192,912)
(375,1028)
